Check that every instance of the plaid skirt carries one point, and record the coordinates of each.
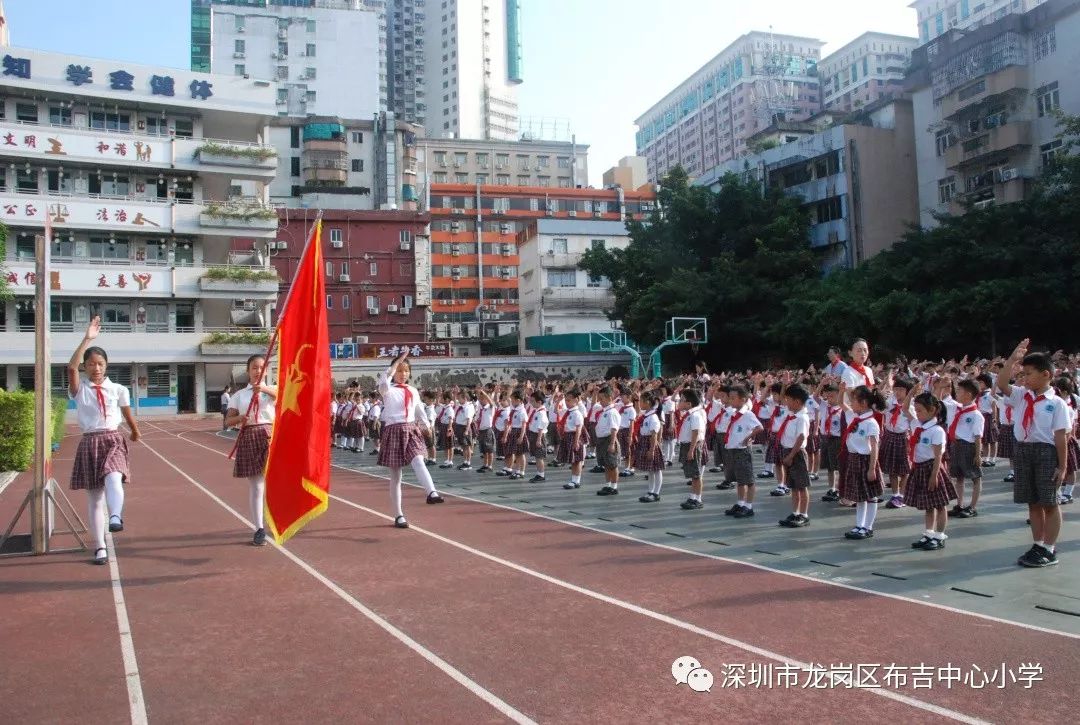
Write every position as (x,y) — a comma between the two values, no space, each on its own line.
(99,454)
(761,437)
(251,450)
(500,447)
(669,429)
(813,442)
(647,456)
(590,428)
(772,448)
(399,444)
(357,429)
(515,443)
(991,434)
(339,426)
(830,453)
(442,436)
(567,453)
(894,454)
(798,473)
(1072,448)
(853,484)
(1006,441)
(374,428)
(624,440)
(917,493)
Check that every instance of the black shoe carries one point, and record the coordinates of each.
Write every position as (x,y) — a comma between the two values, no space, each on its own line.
(571,486)
(556,464)
(430,462)
(596,469)
(831,495)
(971,513)
(766,474)
(537,479)
(921,543)
(117,525)
(744,513)
(1037,557)
(869,533)
(726,485)
(691,505)
(714,469)
(626,474)
(374,453)
(649,498)
(434,497)
(608,491)
(260,538)
(483,469)
(789,520)
(800,522)
(101,556)
(955,510)
(733,510)
(933,545)
(689,482)
(503,472)
(960,513)
(514,477)
(857,534)
(1010,477)
(401,523)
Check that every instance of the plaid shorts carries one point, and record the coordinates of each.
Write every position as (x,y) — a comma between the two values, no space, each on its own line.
(692,466)
(486,439)
(962,463)
(462,434)
(739,466)
(830,453)
(1035,464)
(798,475)
(604,458)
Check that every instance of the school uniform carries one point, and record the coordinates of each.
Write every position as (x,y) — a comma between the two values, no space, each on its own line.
(1006,437)
(444,426)
(607,425)
(463,417)
(568,425)
(486,436)
(500,422)
(742,428)
(963,425)
(921,444)
(536,433)
(516,443)
(813,441)
(667,408)
(854,483)
(893,452)
(831,429)
(648,458)
(722,424)
(792,426)
(627,416)
(1071,444)
(764,410)
(253,445)
(772,443)
(102,449)
(857,375)
(985,402)
(400,438)
(429,431)
(688,422)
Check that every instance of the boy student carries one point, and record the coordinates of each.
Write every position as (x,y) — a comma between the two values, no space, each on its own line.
(791,438)
(713,411)
(722,425)
(607,442)
(690,433)
(988,410)
(1040,424)
(964,428)
(486,434)
(737,441)
(831,419)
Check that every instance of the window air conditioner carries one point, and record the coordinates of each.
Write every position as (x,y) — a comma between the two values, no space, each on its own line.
(391,308)
(337,243)
(343,278)
(455,277)
(282,245)
(571,213)
(504,229)
(239,54)
(457,211)
(346,341)
(1010,174)
(406,246)
(404,310)
(373,310)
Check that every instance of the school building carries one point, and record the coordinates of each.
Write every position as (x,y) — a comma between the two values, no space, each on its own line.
(142,172)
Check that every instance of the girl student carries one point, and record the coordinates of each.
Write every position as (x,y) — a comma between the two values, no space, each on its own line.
(428,397)
(928,487)
(861,478)
(690,433)
(713,411)
(772,448)
(501,423)
(791,438)
(101,460)
(830,431)
(535,431)
(627,406)
(358,425)
(573,438)
(256,420)
(401,441)
(899,418)
(514,438)
(374,421)
(463,430)
(667,414)
(1006,437)
(988,408)
(813,439)
(1065,387)
(647,455)
(964,428)
(486,434)
(444,429)
(723,422)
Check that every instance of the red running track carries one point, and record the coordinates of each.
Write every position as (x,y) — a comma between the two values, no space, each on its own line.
(537,619)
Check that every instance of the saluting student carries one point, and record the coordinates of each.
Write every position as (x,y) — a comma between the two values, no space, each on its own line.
(929,488)
(690,433)
(861,480)
(648,456)
(574,437)
(742,428)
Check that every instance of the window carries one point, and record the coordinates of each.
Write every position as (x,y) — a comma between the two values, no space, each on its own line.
(1043,43)
(239,23)
(404,235)
(358,137)
(564,182)
(440,158)
(461,178)
(440,177)
(238,46)
(973,90)
(946,189)
(59,116)
(344,267)
(482,179)
(329,269)
(502,179)
(460,158)
(407,301)
(157,381)
(294,136)
(1050,153)
(373,303)
(109,248)
(345,302)
(310,26)
(335,236)
(829,210)
(482,160)
(598,244)
(329,302)
(564,162)
(543,181)
(1047,99)
(600,281)
(108,121)
(943,139)
(559,246)
(523,180)
(373,269)
(26,180)
(309,73)
(310,97)
(310,51)
(294,166)
(27,112)
(523,162)
(562,278)
(238,70)
(358,165)
(502,161)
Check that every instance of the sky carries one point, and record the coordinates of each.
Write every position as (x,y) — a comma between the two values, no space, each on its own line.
(592,66)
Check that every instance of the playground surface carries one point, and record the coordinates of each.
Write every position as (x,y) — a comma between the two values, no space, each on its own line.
(527,603)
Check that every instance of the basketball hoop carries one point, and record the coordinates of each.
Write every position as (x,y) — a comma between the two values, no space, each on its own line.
(694,347)
(691,337)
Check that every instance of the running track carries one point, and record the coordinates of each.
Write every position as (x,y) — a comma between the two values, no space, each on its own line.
(476,614)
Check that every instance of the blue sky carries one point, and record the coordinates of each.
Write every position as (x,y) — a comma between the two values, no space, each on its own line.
(592,65)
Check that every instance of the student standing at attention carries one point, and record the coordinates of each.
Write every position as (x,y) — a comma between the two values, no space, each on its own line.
(253,444)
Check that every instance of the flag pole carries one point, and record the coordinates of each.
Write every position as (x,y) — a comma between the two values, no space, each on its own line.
(274,335)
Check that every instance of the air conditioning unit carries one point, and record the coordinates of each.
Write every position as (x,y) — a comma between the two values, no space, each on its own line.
(337,244)
(983,204)
(571,213)
(406,246)
(276,56)
(455,250)
(455,227)
(346,341)
(1010,174)
(505,229)
(507,250)
(597,214)
(282,245)
(249,304)
(281,101)
(404,310)
(455,329)
(282,33)
(455,277)
(442,329)
(303,100)
(551,252)
(343,278)
(238,55)
(373,310)
(505,272)
(457,211)
(455,270)
(391,308)
(240,29)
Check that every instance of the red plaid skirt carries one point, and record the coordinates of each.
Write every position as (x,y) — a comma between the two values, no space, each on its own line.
(917,493)
(893,455)
(399,444)
(567,453)
(1006,441)
(813,442)
(647,456)
(99,454)
(772,448)
(853,484)
(669,428)
(1072,456)
(624,440)
(515,444)
(500,447)
(251,451)
(991,434)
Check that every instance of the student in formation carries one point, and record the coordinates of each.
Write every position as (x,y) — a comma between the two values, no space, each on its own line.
(401,440)
(486,433)
(101,460)
(772,445)
(463,433)
(429,432)
(573,438)
(668,405)
(928,488)
(374,422)
(1065,387)
(713,411)
(501,424)
(252,408)
(224,406)
(964,428)
(607,442)
(627,406)
(723,422)
(648,456)
(358,425)
(536,431)
(690,433)
(791,439)
(813,444)
(1006,438)
(831,430)
(444,430)
(514,438)
(899,418)
(988,409)
(740,434)
(861,481)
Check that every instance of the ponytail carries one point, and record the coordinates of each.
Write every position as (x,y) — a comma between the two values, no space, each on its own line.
(931,403)
(873,399)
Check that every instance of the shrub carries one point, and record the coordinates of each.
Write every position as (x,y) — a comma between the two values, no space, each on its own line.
(242,274)
(259,153)
(238,338)
(59,410)
(16,430)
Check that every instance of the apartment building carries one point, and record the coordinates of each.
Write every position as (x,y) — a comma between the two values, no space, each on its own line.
(869,68)
(139,170)
(937,17)
(554,164)
(631,172)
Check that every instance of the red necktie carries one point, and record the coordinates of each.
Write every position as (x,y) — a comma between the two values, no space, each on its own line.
(895,415)
(848,431)
(861,370)
(408,398)
(828,420)
(731,427)
(1008,414)
(561,422)
(756,407)
(783,427)
(528,421)
(1029,411)
(956,420)
(101,403)
(912,442)
(680,418)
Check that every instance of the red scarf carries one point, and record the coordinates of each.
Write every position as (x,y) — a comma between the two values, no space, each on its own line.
(408,398)
(560,423)
(498,416)
(680,419)
(851,429)
(756,407)
(912,442)
(532,415)
(828,419)
(101,402)
(783,427)
(861,370)
(895,415)
(599,413)
(956,420)
(731,426)
(1029,411)
(1008,414)
(635,427)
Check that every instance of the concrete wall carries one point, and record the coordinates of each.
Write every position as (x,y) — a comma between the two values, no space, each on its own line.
(433,372)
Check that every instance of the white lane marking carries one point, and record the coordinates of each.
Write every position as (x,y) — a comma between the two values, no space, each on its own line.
(136,703)
(472,686)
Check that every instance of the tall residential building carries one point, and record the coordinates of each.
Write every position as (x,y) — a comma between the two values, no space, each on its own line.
(984,107)
(473,68)
(936,17)
(867,69)
(856,178)
(475,233)
(705,121)
(630,173)
(322,56)
(555,164)
(139,170)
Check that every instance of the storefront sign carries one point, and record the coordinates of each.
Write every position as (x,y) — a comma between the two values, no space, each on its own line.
(344,351)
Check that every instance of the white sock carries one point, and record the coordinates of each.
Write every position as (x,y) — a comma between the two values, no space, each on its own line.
(742,503)
(395,491)
(749,505)
(657,482)
(423,475)
(1049,547)
(575,479)
(614,485)
(114,493)
(860,514)
(96,516)
(871,515)
(769,467)
(930,534)
(363,442)
(1067,489)
(696,496)
(256,499)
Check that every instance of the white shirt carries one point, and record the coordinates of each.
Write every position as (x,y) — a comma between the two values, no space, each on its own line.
(650,424)
(574,419)
(694,420)
(502,419)
(393,402)
(668,407)
(608,421)
(1004,410)
(88,407)
(446,415)
(487,415)
(779,413)
(225,399)
(539,420)
(766,410)
(831,427)
(374,411)
(594,412)
(518,417)
(853,378)
(627,415)
(1050,416)
(742,426)
(858,440)
(971,423)
(798,426)
(429,414)
(904,420)
(837,368)
(714,410)
(465,413)
(241,399)
(932,435)
(986,402)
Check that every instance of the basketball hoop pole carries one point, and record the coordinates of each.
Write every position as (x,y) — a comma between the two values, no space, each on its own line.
(687,334)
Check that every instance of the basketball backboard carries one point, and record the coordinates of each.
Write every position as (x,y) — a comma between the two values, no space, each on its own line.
(693,330)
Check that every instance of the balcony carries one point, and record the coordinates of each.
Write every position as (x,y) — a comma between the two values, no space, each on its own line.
(993,141)
(569,297)
(238,218)
(239,282)
(117,214)
(1013,79)
(128,342)
(560,259)
(232,157)
(327,175)
(234,342)
(829,233)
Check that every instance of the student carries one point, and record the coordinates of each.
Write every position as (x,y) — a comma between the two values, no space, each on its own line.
(573,438)
(929,488)
(401,442)
(713,412)
(225,406)
(964,427)
(1065,387)
(740,433)
(486,434)
(771,423)
(791,438)
(861,481)
(988,408)
(501,424)
(101,460)
(514,438)
(339,420)
(429,431)
(830,428)
(253,445)
(813,440)
(607,442)
(667,411)
(690,432)
(445,429)
(899,418)
(374,421)
(722,425)
(463,434)
(536,431)
(648,456)
(627,406)
(357,426)
(1006,438)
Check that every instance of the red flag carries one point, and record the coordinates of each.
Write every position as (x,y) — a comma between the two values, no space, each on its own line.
(298,465)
